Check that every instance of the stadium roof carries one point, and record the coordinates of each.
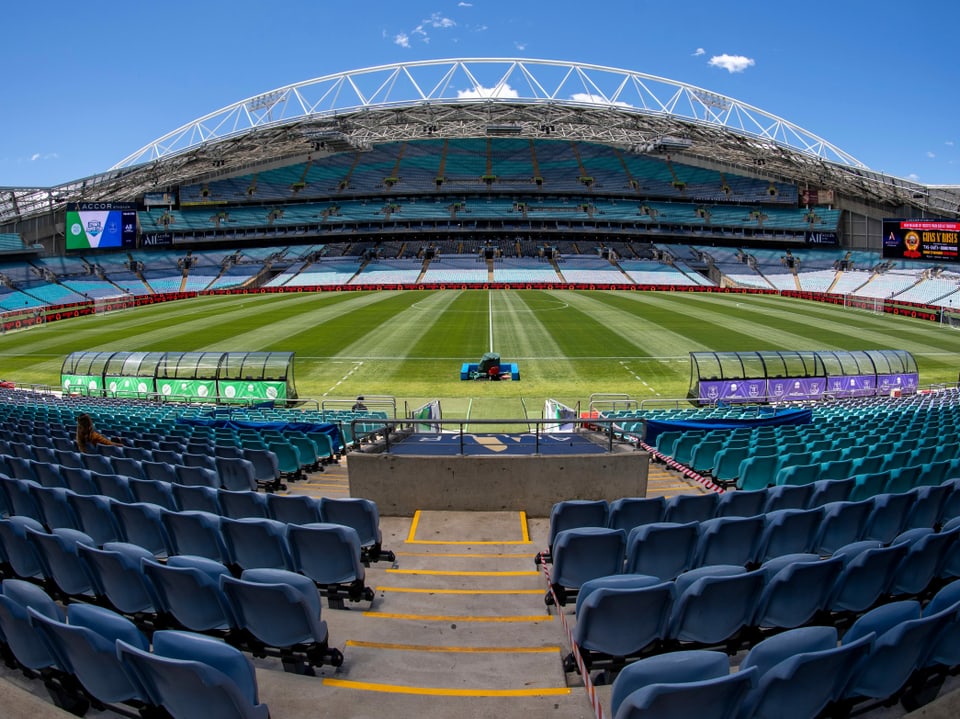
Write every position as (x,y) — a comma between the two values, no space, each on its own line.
(485,97)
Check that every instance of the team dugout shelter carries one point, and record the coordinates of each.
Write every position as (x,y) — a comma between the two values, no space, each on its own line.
(225,377)
(788,376)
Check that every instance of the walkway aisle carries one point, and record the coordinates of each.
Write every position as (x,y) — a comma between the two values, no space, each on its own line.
(458,628)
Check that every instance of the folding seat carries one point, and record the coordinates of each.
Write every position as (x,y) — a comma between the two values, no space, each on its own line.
(238,505)
(684,446)
(266,467)
(329,554)
(796,587)
(842,523)
(895,460)
(139,454)
(869,485)
(831,490)
(713,604)
(619,617)
(926,507)
(167,456)
(254,542)
(22,468)
(20,499)
(737,503)
(788,496)
(902,642)
(128,467)
(946,646)
(866,576)
(97,463)
(196,533)
(16,629)
(48,474)
(903,479)
(159,471)
(856,451)
(191,459)
(363,515)
(194,677)
(788,531)
(78,480)
(96,517)
(113,486)
(887,517)
(282,610)
(85,647)
(19,554)
(869,464)
(576,513)
(704,455)
(683,508)
(933,473)
(55,508)
(758,472)
(69,458)
(661,549)
(675,668)
(61,562)
(116,572)
(142,524)
(153,492)
(236,474)
(307,451)
(822,456)
(328,447)
(926,553)
(629,512)
(582,554)
(726,469)
(728,540)
(197,476)
(293,508)
(64,444)
(797,474)
(666,441)
(199,499)
(800,672)
(188,589)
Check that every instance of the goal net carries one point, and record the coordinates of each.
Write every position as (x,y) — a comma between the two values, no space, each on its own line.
(102,305)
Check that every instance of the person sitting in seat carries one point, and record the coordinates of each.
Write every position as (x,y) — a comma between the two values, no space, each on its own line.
(87,437)
(359,406)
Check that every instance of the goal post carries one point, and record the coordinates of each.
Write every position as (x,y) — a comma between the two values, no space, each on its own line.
(117,303)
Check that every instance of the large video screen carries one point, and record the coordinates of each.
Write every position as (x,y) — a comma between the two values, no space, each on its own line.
(91,225)
(933,240)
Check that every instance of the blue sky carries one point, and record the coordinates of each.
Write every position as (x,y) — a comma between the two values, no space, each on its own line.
(87,84)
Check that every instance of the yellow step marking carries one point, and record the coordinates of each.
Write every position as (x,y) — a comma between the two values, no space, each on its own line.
(411,536)
(441,692)
(465,650)
(459,617)
(469,555)
(463,573)
(421,590)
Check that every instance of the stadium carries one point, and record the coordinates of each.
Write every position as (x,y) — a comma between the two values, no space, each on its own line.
(491,358)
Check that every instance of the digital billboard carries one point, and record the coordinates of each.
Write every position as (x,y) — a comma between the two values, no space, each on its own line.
(933,240)
(91,225)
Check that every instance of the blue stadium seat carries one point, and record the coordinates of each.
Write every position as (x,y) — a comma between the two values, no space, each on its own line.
(683,508)
(329,554)
(662,549)
(713,604)
(629,512)
(188,589)
(254,542)
(576,513)
(294,508)
(196,533)
(728,540)
(363,515)
(116,572)
(582,554)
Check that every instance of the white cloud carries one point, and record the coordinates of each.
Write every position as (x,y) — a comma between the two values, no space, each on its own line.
(595,99)
(731,63)
(481,28)
(34,157)
(699,51)
(37,156)
(930,155)
(521,46)
(500,92)
(949,143)
(402,39)
(418,30)
(464,4)
(913,176)
(437,20)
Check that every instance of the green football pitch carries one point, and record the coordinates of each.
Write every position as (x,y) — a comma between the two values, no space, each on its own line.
(411,344)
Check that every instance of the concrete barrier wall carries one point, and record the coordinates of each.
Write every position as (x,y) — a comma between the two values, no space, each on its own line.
(400,485)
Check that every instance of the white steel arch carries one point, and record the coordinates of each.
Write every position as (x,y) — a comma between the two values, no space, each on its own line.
(486,82)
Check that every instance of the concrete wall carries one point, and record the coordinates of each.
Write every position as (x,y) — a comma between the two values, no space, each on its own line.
(400,485)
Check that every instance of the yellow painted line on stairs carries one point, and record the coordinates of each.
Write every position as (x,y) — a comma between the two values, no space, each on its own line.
(458,650)
(412,534)
(461,618)
(428,590)
(469,555)
(441,692)
(463,573)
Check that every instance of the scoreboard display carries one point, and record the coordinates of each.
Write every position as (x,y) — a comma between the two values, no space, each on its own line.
(931,240)
(90,225)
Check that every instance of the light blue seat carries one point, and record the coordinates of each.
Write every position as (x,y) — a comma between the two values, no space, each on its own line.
(788,531)
(788,496)
(159,471)
(726,469)
(281,610)
(61,562)
(946,645)
(96,517)
(15,626)
(193,476)
(717,698)
(926,507)
(703,456)
(888,516)
(116,572)
(831,490)
(18,552)
(728,540)
(629,512)
(869,485)
(194,677)
(620,616)
(266,467)
(55,508)
(20,498)
(188,589)
(197,499)
(661,549)
(758,472)
(576,513)
(585,553)
(797,474)
(236,474)
(154,492)
(48,474)
(842,524)
(713,604)
(196,533)
(799,678)
(737,503)
(294,508)
(253,542)
(113,486)
(142,524)
(128,467)
(364,516)
(926,552)
(796,588)
(683,508)
(85,647)
(99,463)
(866,576)
(329,554)
(239,505)
(680,667)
